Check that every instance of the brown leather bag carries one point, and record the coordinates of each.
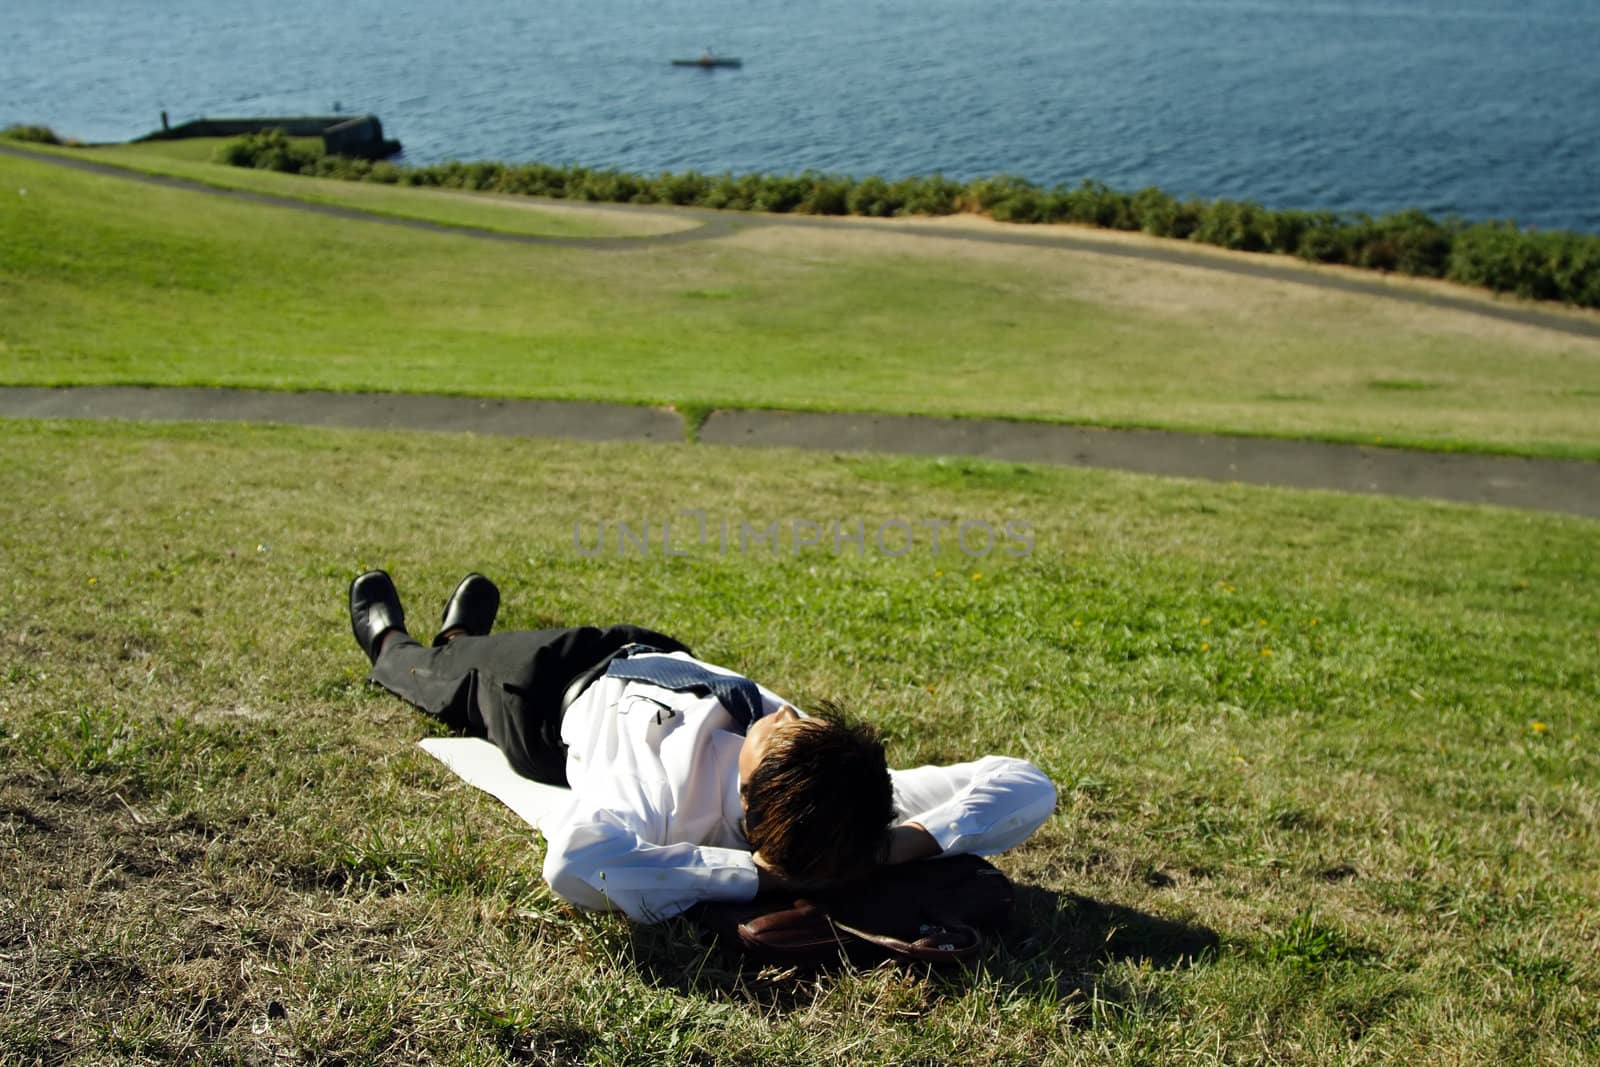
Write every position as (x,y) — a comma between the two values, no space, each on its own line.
(930,911)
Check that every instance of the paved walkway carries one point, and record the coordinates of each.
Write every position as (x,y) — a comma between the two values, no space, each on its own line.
(1569,486)
(714,224)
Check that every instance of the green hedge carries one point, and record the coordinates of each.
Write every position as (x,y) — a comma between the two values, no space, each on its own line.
(34,134)
(1494,255)
(271,150)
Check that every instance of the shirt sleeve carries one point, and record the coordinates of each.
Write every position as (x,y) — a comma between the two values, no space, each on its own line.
(982,807)
(602,858)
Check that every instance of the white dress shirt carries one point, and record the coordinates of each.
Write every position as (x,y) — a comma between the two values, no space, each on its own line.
(654,826)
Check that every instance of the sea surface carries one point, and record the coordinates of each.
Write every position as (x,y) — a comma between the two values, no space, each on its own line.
(1478,108)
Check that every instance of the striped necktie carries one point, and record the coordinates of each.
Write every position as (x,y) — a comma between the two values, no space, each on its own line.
(641,663)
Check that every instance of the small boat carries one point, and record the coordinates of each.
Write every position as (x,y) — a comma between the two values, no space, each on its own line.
(709,60)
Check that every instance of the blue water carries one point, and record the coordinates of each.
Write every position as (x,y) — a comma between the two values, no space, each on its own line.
(1480,108)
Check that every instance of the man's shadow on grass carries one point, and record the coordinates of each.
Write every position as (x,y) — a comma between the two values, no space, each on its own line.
(1059,945)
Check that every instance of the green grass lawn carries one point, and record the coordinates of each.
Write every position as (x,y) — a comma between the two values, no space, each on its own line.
(1352,741)
(107,281)
(192,159)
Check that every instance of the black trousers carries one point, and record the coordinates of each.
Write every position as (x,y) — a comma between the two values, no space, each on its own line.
(506,687)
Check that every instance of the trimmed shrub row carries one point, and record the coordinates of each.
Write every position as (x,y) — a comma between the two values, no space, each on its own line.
(1541,265)
(272,150)
(34,134)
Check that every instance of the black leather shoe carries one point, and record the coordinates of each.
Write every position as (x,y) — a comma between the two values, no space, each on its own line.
(471,608)
(374,611)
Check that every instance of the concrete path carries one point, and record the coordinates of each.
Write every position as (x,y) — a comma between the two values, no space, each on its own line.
(719,223)
(1569,486)
(350,411)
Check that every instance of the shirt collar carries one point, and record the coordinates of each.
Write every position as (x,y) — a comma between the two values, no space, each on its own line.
(727,746)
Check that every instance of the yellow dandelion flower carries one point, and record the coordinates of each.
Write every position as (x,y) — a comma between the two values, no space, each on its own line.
(1206,621)
(1204,647)
(1313,620)
(93,580)
(977,577)
(1538,727)
(1077,622)
(1266,651)
(938,574)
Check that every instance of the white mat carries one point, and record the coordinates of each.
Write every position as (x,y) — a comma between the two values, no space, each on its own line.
(480,764)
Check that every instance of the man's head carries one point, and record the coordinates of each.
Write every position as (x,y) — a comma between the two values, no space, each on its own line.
(817,799)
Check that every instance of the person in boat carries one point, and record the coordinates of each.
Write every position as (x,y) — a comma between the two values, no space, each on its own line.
(690,782)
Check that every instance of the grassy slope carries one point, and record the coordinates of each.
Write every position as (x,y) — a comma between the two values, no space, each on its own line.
(190,149)
(215,837)
(108,281)
(192,159)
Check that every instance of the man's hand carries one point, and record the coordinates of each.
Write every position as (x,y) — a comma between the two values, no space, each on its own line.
(769,879)
(911,841)
(907,842)
(774,880)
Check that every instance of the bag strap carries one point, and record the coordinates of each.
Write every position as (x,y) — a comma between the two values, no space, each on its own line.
(938,944)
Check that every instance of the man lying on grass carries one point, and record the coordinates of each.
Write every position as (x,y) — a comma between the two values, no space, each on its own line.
(690,783)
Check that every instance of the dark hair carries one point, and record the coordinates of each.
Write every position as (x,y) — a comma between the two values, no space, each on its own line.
(819,804)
